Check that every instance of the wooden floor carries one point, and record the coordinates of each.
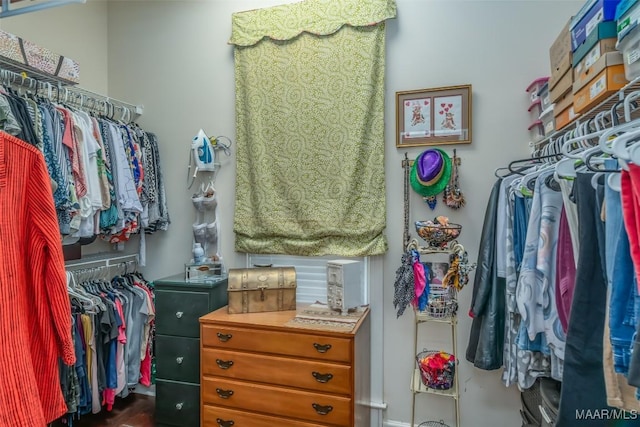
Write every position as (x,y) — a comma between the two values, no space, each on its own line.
(134,411)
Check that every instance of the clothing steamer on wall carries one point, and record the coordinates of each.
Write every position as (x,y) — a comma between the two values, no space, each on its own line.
(206,228)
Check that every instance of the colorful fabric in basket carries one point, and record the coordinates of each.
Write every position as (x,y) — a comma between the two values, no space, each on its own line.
(437,369)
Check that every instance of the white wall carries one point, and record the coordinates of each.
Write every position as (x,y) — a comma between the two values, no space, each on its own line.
(173,57)
(78,31)
(499,47)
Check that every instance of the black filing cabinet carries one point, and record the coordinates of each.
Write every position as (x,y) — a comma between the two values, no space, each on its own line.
(179,305)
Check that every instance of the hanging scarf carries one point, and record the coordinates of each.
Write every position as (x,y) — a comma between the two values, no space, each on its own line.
(403,286)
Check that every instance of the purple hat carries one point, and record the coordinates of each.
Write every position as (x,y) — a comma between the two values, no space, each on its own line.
(431,172)
(429,165)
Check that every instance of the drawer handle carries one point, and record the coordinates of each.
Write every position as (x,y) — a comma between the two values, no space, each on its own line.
(322,410)
(179,406)
(225,394)
(322,378)
(322,348)
(224,364)
(224,337)
(223,423)
(179,314)
(179,360)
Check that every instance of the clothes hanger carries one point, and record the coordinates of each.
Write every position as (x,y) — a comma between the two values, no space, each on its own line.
(628,100)
(565,168)
(528,182)
(620,143)
(81,290)
(617,127)
(549,159)
(620,146)
(568,147)
(525,160)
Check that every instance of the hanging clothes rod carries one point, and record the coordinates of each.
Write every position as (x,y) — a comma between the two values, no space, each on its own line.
(59,92)
(100,260)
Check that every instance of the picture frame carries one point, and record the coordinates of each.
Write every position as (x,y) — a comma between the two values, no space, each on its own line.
(436,116)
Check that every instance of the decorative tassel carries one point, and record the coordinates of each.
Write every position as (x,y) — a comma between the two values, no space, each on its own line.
(431,201)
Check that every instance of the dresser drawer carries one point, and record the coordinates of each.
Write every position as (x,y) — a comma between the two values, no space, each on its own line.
(279,401)
(279,343)
(308,374)
(178,358)
(178,312)
(216,416)
(177,404)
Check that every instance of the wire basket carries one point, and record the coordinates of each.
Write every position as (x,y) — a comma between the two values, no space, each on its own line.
(436,235)
(442,301)
(433,424)
(440,377)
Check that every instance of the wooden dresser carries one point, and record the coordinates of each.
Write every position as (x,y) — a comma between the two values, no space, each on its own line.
(179,305)
(258,372)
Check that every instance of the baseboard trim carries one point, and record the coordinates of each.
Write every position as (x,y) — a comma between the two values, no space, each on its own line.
(391,423)
(149,391)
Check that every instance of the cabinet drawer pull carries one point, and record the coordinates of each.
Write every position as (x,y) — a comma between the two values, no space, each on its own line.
(179,360)
(223,423)
(322,378)
(224,364)
(224,337)
(179,406)
(322,348)
(225,394)
(179,314)
(322,410)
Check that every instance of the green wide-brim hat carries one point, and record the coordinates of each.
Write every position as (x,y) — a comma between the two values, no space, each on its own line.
(438,186)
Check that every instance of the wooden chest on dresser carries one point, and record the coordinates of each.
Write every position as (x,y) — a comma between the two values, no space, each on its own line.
(179,305)
(258,372)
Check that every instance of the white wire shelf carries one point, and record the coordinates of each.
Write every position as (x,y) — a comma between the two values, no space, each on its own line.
(605,105)
(423,316)
(452,247)
(105,259)
(417,386)
(62,90)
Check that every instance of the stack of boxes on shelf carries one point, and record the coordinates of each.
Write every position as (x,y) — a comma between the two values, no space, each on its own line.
(595,55)
(539,102)
(561,81)
(585,66)
(598,70)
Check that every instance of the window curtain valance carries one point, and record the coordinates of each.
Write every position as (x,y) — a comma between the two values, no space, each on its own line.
(317,17)
(310,128)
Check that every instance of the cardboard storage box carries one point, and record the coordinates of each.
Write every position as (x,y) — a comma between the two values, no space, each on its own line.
(602,47)
(28,55)
(607,82)
(587,75)
(560,87)
(603,31)
(585,22)
(565,117)
(563,111)
(560,54)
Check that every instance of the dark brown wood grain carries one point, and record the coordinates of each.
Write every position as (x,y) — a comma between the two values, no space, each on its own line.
(134,411)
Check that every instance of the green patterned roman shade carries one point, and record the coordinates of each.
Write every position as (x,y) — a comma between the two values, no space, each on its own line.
(310,128)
